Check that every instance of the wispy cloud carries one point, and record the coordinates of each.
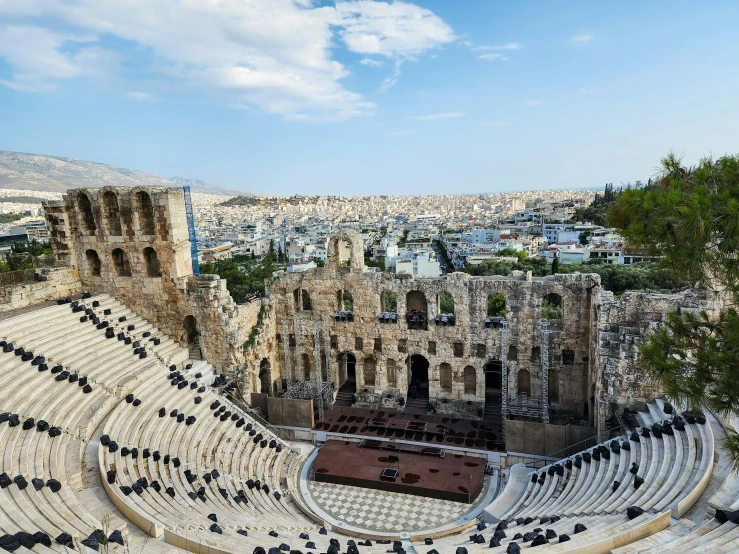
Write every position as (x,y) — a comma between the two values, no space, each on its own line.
(371,62)
(435,116)
(506,46)
(389,82)
(534,102)
(141,96)
(399,133)
(581,38)
(492,57)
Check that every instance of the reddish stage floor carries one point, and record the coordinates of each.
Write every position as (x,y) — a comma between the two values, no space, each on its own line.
(439,430)
(455,477)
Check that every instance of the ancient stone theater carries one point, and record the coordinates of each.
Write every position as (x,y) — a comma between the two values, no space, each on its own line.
(346,411)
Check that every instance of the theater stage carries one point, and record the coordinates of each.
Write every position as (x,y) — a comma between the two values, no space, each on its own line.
(455,477)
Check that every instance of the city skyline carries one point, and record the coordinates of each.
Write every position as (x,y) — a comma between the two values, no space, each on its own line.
(358,98)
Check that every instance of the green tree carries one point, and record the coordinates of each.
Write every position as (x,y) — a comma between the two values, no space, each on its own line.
(555,265)
(496,305)
(690,217)
(319,262)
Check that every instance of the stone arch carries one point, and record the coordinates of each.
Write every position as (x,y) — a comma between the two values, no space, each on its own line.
(552,307)
(445,303)
(347,371)
(93,263)
(87,219)
(388,301)
(121,263)
(470,380)
(370,372)
(345,300)
(305,360)
(391,373)
(512,354)
(418,377)
(356,249)
(190,326)
(496,305)
(145,210)
(112,213)
(152,262)
(445,377)
(416,309)
(301,300)
(523,382)
(265,376)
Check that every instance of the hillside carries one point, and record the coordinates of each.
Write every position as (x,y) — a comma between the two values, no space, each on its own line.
(57,174)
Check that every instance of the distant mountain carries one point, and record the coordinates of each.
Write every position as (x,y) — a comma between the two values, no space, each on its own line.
(23,171)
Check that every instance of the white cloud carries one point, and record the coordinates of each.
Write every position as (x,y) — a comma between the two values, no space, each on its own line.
(275,54)
(435,116)
(506,46)
(371,62)
(581,38)
(492,57)
(534,102)
(136,95)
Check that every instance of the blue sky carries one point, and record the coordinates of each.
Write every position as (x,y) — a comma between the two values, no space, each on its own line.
(362,97)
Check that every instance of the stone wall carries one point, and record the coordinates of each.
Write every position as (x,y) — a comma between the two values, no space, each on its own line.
(468,344)
(52,284)
(621,326)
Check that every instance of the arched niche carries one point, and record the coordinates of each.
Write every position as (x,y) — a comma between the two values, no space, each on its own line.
(370,372)
(523,382)
(350,243)
(470,380)
(120,263)
(391,373)
(265,376)
(87,219)
(152,263)
(93,263)
(445,377)
(305,361)
(301,300)
(145,211)
(112,213)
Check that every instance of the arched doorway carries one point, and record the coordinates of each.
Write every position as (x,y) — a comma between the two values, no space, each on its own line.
(191,329)
(493,414)
(265,376)
(418,383)
(347,372)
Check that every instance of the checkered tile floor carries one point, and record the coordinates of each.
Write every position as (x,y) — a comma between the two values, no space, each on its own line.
(387,511)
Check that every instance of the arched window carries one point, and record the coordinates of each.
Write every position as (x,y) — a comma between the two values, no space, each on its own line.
(524,382)
(120,263)
(445,303)
(470,380)
(152,262)
(87,220)
(93,263)
(306,367)
(370,366)
(512,354)
(553,387)
(552,307)
(445,377)
(496,305)
(390,370)
(146,213)
(345,300)
(302,300)
(388,301)
(112,214)
(416,310)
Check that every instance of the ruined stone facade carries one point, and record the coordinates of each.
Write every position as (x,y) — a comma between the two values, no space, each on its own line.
(133,243)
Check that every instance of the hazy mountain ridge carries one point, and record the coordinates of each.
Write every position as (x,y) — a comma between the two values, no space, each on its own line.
(22,171)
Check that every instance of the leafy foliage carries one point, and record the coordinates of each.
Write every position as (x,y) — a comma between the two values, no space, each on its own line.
(244,276)
(446,303)
(10,218)
(690,217)
(551,307)
(496,305)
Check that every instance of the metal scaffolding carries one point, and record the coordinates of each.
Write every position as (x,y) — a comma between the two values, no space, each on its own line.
(286,345)
(312,389)
(504,371)
(317,350)
(299,374)
(192,236)
(545,332)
